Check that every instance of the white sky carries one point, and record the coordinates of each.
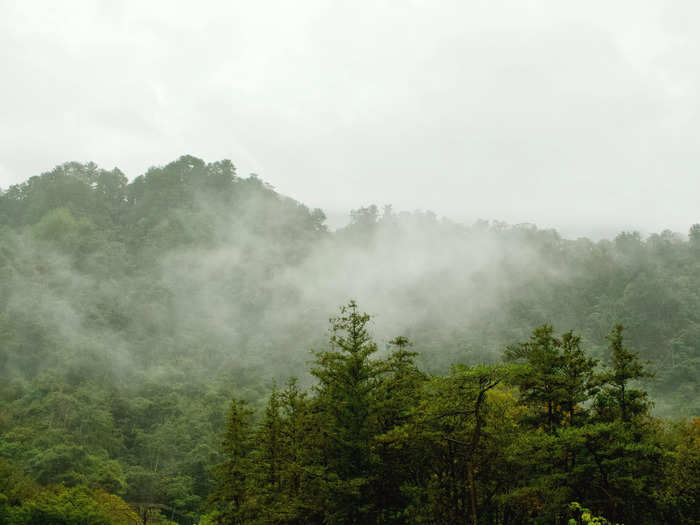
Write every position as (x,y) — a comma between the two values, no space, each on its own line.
(578,115)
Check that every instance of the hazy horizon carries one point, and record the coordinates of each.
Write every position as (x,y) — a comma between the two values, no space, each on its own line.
(339,218)
(582,118)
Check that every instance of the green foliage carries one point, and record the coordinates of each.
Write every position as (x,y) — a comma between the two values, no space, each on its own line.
(584,516)
(347,380)
(22,502)
(679,495)
(230,491)
(618,400)
(377,441)
(554,378)
(54,506)
(129,311)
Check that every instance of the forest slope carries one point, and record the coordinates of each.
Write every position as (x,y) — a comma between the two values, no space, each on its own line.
(130,311)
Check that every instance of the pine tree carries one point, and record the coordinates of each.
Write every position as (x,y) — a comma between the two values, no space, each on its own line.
(624,450)
(347,380)
(617,399)
(267,462)
(396,396)
(554,376)
(230,494)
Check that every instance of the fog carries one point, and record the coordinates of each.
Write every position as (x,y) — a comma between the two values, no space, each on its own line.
(581,117)
(188,278)
(331,261)
(441,284)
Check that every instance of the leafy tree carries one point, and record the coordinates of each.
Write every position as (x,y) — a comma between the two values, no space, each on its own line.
(680,491)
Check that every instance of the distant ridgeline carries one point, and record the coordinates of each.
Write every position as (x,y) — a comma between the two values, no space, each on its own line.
(131,311)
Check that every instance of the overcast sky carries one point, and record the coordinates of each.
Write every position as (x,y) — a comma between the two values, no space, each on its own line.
(578,115)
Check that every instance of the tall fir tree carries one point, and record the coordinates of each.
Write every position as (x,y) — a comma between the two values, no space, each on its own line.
(232,475)
(346,396)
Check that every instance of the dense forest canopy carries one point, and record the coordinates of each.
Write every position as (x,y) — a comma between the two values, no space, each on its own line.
(130,312)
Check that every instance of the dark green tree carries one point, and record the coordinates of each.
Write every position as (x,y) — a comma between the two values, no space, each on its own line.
(618,399)
(346,395)
(232,475)
(553,375)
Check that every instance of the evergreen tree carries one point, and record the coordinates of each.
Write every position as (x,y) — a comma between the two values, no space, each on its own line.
(626,457)
(232,475)
(618,400)
(396,395)
(346,395)
(553,375)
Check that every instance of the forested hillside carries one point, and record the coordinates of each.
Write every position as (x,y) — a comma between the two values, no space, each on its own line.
(379,441)
(131,313)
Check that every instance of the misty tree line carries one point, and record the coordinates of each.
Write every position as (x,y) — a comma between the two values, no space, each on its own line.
(378,441)
(131,311)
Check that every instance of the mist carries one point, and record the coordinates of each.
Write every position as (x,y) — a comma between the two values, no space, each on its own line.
(194,268)
(331,262)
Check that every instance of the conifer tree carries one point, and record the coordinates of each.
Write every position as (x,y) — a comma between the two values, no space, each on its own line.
(623,447)
(618,399)
(347,380)
(230,494)
(554,376)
